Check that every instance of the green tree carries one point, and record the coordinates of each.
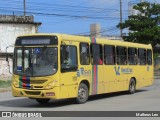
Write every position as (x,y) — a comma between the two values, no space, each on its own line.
(145,26)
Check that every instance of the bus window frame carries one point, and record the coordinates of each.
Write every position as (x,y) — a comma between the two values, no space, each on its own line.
(88,53)
(68,69)
(100,57)
(126,55)
(140,57)
(150,58)
(113,55)
(134,56)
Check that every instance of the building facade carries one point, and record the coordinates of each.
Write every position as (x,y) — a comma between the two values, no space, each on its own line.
(12,26)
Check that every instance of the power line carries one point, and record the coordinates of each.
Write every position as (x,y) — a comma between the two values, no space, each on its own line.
(84,16)
(64,12)
(83,11)
(64,15)
(40,4)
(102,31)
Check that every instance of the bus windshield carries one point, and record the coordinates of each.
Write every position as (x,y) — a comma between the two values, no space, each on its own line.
(35,61)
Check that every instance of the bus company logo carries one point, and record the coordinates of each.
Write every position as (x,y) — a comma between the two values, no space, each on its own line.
(82,72)
(117,70)
(122,70)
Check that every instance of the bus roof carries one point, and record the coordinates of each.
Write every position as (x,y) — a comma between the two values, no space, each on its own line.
(66,37)
(104,41)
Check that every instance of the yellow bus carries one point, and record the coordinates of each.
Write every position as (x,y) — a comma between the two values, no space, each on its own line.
(58,66)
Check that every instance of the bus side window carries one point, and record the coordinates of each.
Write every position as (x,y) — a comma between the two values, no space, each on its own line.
(121,55)
(109,55)
(96,54)
(84,54)
(132,56)
(69,58)
(142,56)
(149,57)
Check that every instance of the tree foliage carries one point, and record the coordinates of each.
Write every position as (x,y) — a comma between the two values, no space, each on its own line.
(145,26)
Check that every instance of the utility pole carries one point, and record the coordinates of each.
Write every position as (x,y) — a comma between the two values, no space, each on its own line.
(121,18)
(24,3)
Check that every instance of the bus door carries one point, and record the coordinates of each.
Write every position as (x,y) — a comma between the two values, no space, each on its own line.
(69,66)
(85,70)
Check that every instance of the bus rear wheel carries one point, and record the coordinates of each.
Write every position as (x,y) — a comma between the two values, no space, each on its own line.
(132,86)
(83,94)
(42,101)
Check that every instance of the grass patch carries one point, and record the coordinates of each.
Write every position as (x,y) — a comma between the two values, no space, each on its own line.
(6,83)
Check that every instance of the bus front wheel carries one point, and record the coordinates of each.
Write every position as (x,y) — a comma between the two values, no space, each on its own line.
(42,101)
(83,94)
(132,86)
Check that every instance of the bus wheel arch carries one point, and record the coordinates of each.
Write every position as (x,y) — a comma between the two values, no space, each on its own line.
(132,85)
(83,92)
(86,82)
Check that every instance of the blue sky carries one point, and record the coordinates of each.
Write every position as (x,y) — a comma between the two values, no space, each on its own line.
(71,16)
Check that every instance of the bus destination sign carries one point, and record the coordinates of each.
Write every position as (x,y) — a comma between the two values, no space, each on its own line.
(36,40)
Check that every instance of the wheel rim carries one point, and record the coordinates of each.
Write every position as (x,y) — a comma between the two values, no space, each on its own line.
(82,93)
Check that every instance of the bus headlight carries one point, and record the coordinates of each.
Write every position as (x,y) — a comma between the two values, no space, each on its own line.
(50,85)
(15,83)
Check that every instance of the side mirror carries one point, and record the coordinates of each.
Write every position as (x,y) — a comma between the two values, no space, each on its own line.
(7,60)
(7,55)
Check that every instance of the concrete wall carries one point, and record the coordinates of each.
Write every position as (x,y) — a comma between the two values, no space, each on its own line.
(5,69)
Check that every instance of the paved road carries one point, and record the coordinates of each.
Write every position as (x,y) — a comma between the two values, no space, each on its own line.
(146,99)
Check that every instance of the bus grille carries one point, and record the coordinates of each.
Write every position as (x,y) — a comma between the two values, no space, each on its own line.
(34,81)
(32,93)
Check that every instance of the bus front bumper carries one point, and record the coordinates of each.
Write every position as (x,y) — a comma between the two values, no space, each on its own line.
(20,92)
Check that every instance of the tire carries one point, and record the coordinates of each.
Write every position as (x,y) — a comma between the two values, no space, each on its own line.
(132,86)
(83,94)
(42,101)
